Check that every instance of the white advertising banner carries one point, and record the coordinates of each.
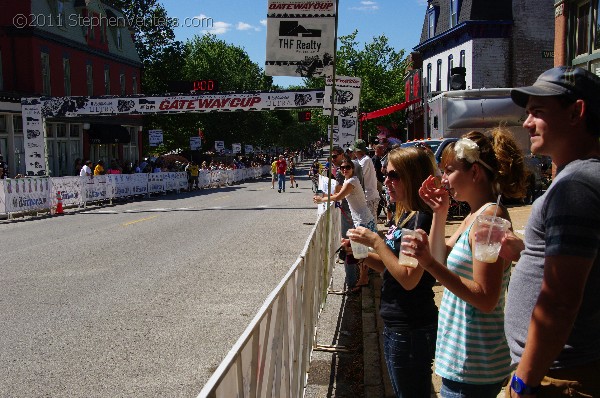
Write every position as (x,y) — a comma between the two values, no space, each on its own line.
(219,146)
(236,148)
(69,188)
(347,96)
(24,194)
(33,135)
(300,37)
(346,132)
(248,149)
(324,186)
(155,137)
(195,143)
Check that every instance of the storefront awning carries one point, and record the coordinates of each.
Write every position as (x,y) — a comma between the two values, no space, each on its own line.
(388,110)
(108,134)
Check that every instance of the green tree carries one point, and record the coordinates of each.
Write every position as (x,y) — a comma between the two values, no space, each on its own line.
(382,70)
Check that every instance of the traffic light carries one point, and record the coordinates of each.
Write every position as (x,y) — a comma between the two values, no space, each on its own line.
(304,116)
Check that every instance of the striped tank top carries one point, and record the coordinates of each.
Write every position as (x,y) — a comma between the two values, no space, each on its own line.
(471,347)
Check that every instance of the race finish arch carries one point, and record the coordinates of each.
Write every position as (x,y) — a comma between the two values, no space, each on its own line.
(36,110)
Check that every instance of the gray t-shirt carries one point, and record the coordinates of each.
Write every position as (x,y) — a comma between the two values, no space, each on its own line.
(564,221)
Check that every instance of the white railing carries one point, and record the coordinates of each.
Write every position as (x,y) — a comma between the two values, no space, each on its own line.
(40,193)
(272,356)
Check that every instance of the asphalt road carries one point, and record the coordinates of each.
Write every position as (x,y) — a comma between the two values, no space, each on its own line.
(142,298)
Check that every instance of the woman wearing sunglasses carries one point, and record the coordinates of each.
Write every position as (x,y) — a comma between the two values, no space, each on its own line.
(361,215)
(407,300)
(472,355)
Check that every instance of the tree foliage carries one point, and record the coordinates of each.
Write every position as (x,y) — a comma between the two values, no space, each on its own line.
(382,70)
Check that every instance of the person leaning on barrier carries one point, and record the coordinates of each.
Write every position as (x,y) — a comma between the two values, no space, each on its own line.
(99,169)
(553,305)
(407,302)
(86,169)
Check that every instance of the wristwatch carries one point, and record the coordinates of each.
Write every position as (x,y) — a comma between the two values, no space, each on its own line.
(520,387)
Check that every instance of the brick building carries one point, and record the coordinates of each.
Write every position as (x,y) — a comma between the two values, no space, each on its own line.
(501,43)
(67,48)
(577,35)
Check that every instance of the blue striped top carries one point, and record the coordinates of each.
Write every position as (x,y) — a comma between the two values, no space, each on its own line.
(471,347)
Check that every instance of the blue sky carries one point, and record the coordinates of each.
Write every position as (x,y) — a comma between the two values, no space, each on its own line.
(243,23)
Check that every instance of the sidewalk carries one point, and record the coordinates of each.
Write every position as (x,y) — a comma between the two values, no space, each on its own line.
(332,373)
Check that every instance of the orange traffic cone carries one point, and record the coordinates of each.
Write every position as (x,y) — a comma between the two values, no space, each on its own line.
(59,208)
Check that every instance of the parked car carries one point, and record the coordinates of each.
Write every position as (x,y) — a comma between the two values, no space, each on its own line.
(437,145)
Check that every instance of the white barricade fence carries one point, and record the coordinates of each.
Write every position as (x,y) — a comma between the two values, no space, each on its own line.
(69,188)
(272,357)
(26,194)
(39,193)
(204,178)
(155,183)
(96,188)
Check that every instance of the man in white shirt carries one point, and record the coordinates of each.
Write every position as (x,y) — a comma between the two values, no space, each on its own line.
(85,169)
(369,176)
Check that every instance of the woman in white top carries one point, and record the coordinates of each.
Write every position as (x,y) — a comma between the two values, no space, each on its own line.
(360,212)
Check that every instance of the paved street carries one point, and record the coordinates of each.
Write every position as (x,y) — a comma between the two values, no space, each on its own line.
(143,298)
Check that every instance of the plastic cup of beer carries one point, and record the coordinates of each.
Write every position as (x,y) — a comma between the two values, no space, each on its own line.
(489,232)
(358,249)
(403,259)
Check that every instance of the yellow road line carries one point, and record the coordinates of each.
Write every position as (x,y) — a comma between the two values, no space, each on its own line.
(137,221)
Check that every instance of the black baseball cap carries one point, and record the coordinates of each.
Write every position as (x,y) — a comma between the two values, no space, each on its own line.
(573,82)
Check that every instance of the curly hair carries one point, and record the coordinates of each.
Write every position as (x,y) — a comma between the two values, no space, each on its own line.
(500,151)
(413,165)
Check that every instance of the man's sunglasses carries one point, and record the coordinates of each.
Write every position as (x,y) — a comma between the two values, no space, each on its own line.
(392,175)
(335,155)
(346,167)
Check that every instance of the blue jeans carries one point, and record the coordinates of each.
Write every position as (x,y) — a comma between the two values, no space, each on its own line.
(281,181)
(455,389)
(409,357)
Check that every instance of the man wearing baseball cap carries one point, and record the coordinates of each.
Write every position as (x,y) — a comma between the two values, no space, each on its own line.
(552,313)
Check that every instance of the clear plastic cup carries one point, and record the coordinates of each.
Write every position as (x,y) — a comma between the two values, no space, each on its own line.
(403,259)
(358,249)
(489,232)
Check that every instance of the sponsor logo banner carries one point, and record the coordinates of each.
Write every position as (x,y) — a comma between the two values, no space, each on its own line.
(347,96)
(300,37)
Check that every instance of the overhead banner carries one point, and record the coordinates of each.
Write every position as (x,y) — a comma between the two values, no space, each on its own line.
(347,96)
(300,37)
(236,148)
(248,149)
(219,146)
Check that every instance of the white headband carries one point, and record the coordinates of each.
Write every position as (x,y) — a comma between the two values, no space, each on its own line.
(468,150)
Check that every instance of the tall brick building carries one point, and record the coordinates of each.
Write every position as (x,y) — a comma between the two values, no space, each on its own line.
(577,37)
(500,43)
(63,48)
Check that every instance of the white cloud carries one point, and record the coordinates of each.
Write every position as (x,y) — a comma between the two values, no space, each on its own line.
(218,28)
(263,22)
(366,6)
(246,26)
(422,2)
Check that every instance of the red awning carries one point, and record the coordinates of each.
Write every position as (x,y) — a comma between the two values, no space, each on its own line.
(388,110)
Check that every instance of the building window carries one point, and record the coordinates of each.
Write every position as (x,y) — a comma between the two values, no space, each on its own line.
(596,26)
(582,29)
(450,66)
(462,61)
(135,85)
(1,74)
(60,13)
(75,131)
(431,22)
(453,13)
(122,83)
(438,77)
(119,39)
(67,75)
(107,80)
(45,58)
(61,130)
(89,79)
(428,78)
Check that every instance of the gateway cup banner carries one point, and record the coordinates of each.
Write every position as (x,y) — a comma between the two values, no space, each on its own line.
(300,37)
